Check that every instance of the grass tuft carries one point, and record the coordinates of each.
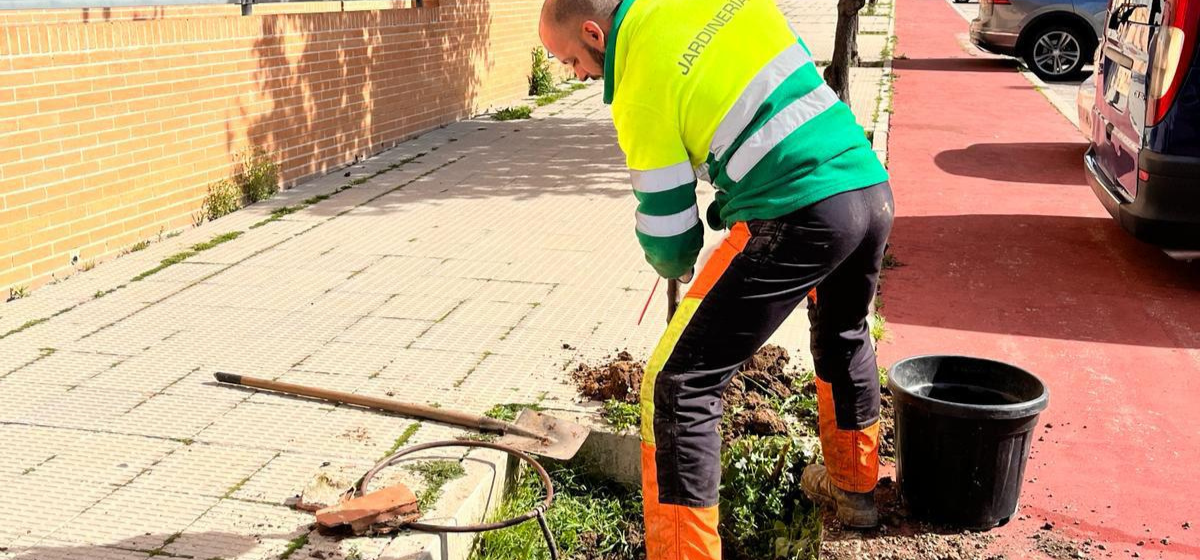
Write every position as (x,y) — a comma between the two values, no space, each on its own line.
(294,545)
(513,113)
(18,292)
(621,415)
(436,474)
(403,439)
(508,412)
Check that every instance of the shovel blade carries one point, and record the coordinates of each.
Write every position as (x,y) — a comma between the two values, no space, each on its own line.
(562,438)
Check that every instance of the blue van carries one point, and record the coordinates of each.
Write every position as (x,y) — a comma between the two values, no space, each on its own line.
(1144,160)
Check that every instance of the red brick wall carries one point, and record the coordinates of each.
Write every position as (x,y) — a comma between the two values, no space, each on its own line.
(113,122)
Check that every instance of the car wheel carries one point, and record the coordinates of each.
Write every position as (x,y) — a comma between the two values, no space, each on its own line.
(1056,53)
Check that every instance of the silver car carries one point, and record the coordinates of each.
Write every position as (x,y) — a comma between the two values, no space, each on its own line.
(1056,38)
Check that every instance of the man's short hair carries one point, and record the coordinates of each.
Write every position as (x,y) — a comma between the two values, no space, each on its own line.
(568,10)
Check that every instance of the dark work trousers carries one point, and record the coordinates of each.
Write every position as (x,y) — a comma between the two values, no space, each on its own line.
(829,252)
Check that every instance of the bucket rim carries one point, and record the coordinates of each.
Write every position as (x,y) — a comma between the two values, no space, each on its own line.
(1023,409)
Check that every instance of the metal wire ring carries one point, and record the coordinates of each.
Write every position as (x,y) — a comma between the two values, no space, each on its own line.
(430,528)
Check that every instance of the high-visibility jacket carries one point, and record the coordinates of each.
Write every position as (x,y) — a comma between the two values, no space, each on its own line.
(723,90)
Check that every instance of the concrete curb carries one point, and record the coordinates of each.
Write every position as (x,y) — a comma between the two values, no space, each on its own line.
(468,500)
(883,124)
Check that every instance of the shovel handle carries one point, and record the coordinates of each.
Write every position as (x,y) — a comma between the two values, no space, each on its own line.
(672,299)
(463,419)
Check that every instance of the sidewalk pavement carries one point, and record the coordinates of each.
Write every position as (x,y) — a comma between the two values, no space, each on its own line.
(1007,254)
(470,267)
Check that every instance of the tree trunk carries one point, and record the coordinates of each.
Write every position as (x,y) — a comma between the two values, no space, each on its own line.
(845,48)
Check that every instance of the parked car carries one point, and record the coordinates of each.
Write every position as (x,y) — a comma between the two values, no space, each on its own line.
(1056,38)
(1144,160)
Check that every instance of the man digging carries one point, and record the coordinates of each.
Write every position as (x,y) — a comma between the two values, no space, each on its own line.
(725,91)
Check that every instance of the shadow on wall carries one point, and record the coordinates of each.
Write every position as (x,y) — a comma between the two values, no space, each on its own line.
(357,81)
(1044,163)
(1054,277)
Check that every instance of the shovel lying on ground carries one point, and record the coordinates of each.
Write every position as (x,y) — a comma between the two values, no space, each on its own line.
(533,432)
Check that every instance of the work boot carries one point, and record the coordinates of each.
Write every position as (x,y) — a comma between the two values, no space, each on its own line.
(853,509)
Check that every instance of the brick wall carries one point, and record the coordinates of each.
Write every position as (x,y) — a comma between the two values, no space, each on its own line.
(113,122)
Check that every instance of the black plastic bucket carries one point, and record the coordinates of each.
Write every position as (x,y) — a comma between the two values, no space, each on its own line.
(963,430)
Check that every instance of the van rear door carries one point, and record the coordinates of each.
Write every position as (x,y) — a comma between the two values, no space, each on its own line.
(1122,76)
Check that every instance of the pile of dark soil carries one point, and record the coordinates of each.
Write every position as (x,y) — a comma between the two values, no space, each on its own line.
(887,428)
(618,378)
(752,398)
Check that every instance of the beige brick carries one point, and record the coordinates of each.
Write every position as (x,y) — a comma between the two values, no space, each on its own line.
(106,459)
(204,470)
(18,492)
(178,416)
(382,331)
(347,359)
(235,529)
(136,518)
(460,338)
(285,476)
(264,426)
(422,308)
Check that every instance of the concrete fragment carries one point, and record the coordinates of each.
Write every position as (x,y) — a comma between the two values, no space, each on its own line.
(327,487)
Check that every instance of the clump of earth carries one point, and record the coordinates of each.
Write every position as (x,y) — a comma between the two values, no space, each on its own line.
(751,401)
(752,397)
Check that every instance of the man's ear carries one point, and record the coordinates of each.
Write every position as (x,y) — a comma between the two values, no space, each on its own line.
(592,35)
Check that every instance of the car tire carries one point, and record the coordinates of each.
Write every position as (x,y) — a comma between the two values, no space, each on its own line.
(1056,53)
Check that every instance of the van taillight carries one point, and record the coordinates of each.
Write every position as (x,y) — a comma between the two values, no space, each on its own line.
(1172,53)
(1002,2)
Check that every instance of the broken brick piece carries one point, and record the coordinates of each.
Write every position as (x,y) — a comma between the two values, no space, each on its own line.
(383,511)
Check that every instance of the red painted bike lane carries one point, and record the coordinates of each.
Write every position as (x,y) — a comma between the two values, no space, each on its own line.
(1007,254)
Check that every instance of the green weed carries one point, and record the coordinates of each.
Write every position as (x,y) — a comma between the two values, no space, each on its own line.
(185,255)
(294,545)
(541,80)
(878,327)
(139,246)
(551,97)
(223,238)
(161,551)
(890,261)
(436,474)
(259,176)
(224,197)
(18,292)
(403,439)
(508,412)
(621,415)
(591,519)
(88,265)
(513,113)
(763,511)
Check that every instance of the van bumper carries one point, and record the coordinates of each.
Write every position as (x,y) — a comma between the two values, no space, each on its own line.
(1166,210)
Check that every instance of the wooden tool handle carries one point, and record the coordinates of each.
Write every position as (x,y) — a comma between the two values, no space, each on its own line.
(408,409)
(672,299)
